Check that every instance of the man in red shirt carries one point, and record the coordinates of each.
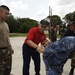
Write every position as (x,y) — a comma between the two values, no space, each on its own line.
(35,36)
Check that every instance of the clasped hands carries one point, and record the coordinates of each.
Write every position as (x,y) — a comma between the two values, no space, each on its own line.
(40,48)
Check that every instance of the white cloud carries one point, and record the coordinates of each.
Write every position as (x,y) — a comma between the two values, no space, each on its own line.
(18,8)
(39,9)
(2,2)
(42,13)
(61,8)
(18,5)
(66,2)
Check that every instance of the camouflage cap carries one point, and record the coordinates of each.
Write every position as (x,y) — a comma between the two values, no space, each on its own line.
(72,23)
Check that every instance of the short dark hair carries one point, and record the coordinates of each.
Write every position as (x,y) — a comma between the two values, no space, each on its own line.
(4,7)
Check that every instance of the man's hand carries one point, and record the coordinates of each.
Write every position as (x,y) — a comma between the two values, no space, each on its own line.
(46,42)
(40,49)
(12,51)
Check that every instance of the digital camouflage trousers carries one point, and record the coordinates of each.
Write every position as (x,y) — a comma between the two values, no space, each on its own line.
(5,62)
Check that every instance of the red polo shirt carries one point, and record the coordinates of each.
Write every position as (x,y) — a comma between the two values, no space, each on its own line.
(35,35)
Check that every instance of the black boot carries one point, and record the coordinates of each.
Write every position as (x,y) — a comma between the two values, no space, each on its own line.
(71,71)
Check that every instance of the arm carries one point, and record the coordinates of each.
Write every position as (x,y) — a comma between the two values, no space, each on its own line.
(8,40)
(31,44)
(39,48)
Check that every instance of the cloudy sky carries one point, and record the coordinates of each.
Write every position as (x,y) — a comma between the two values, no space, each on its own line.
(39,9)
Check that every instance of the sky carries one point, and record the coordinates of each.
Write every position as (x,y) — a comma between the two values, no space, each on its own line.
(39,9)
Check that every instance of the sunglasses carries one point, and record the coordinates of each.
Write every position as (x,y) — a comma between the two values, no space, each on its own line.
(43,26)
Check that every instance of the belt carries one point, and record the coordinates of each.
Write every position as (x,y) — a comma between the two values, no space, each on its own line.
(3,47)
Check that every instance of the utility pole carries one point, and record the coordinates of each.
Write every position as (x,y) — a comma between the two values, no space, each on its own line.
(50,23)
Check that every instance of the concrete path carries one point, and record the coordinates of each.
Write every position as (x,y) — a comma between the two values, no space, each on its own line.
(17,59)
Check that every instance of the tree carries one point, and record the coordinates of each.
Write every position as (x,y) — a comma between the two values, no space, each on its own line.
(12,22)
(26,24)
(55,20)
(70,17)
(18,25)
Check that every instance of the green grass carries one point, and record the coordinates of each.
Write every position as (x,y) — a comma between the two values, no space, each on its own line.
(17,34)
(24,35)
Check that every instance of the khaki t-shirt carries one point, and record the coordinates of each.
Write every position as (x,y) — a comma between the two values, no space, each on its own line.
(4,35)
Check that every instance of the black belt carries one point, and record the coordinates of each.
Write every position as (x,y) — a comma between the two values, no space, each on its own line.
(3,47)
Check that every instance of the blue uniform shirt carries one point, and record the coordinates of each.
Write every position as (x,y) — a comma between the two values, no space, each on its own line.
(56,53)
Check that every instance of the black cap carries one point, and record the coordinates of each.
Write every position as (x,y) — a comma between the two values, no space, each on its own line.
(44,22)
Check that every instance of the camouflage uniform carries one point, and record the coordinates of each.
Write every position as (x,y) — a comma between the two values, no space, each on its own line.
(5,53)
(57,53)
(5,45)
(5,62)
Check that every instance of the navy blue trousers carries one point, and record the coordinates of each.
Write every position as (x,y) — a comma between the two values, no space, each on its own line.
(29,53)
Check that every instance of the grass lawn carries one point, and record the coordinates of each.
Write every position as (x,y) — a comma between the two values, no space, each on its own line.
(24,34)
(17,34)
